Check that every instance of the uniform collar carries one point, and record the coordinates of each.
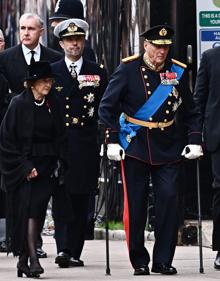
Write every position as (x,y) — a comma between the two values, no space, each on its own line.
(77,63)
(151,65)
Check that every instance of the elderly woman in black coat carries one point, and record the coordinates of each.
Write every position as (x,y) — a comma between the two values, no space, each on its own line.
(32,146)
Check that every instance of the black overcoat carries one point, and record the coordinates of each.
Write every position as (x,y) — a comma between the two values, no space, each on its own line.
(3,107)
(207,97)
(14,67)
(16,133)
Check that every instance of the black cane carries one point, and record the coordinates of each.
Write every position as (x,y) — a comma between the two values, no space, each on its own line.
(105,160)
(201,268)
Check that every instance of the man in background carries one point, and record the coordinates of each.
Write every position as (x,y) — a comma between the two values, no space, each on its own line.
(14,60)
(2,41)
(66,9)
(207,101)
(3,92)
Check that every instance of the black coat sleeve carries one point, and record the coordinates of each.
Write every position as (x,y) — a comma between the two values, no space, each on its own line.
(14,162)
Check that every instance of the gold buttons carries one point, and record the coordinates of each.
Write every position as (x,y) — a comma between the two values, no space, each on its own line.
(170,94)
(145,76)
(67,124)
(147,84)
(67,106)
(169,102)
(83,116)
(75,120)
(85,106)
(165,120)
(82,124)
(149,92)
(150,118)
(143,69)
(167,112)
(67,116)
(67,98)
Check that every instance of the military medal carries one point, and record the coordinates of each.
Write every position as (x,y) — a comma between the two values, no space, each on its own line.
(169,78)
(59,88)
(88,81)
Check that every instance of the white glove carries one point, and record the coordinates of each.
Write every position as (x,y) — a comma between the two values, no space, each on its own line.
(192,151)
(115,152)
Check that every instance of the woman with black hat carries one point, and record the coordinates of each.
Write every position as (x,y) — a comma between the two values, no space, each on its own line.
(32,142)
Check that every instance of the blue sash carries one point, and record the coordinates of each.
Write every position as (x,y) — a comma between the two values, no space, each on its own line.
(129,130)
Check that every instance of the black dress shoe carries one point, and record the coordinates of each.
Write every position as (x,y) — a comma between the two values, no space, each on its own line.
(22,266)
(35,268)
(142,271)
(62,259)
(163,269)
(41,254)
(75,262)
(217,261)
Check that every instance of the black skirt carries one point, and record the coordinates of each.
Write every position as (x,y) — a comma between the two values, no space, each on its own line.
(29,200)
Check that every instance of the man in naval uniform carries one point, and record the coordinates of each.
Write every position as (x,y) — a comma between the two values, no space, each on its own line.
(79,85)
(147,92)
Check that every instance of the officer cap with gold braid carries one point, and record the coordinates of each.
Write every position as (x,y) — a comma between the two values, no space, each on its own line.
(159,35)
(71,27)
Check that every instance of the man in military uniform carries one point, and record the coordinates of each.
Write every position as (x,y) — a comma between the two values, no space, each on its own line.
(148,91)
(80,85)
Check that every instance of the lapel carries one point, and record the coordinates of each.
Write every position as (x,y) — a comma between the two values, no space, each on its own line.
(19,61)
(43,55)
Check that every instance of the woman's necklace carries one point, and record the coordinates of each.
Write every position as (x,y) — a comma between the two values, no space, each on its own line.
(40,103)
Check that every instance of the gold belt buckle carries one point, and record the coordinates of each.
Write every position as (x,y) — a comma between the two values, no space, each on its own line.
(74,120)
(160,125)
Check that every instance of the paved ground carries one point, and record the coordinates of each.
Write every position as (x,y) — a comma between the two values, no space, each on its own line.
(186,261)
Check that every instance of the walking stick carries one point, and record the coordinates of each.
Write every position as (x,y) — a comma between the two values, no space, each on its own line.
(105,160)
(201,269)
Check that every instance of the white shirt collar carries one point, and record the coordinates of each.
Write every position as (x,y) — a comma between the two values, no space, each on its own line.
(77,63)
(27,53)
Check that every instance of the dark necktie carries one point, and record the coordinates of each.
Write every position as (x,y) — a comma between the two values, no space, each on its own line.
(73,70)
(32,57)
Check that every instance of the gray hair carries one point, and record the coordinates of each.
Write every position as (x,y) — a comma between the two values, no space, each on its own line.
(1,34)
(32,15)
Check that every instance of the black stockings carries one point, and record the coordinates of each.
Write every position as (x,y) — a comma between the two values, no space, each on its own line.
(32,237)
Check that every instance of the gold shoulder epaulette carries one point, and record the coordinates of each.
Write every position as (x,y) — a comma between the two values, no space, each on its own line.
(179,63)
(130,58)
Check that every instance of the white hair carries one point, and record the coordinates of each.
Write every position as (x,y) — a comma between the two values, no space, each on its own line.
(32,15)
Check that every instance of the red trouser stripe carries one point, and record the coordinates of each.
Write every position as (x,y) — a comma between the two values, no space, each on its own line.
(126,208)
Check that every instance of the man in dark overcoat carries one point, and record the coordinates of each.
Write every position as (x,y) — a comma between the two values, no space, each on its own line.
(80,85)
(14,60)
(207,101)
(147,92)
(3,108)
